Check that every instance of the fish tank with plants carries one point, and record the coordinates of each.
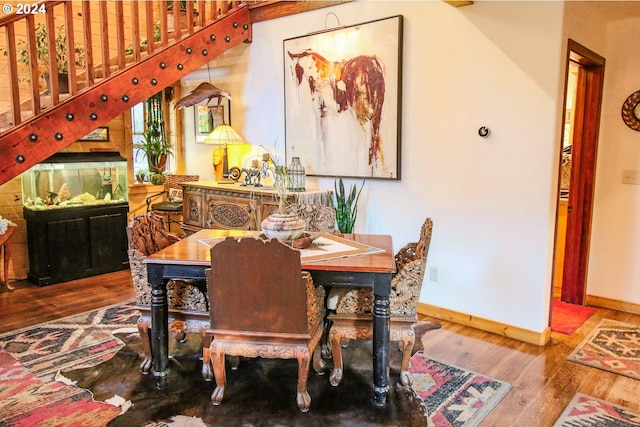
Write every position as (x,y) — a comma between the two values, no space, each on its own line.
(71,180)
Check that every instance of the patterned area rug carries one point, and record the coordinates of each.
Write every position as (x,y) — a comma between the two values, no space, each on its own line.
(612,346)
(260,392)
(30,358)
(77,341)
(452,395)
(587,411)
(26,400)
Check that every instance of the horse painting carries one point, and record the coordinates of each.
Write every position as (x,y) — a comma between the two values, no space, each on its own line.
(357,84)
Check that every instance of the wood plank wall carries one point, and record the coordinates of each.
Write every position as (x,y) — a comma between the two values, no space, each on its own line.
(11,209)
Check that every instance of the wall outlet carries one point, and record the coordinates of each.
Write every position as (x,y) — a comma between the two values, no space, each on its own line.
(433,274)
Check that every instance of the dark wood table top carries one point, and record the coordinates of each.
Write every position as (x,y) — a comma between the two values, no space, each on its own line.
(190,251)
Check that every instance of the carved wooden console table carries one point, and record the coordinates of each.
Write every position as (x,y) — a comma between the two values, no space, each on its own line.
(207,204)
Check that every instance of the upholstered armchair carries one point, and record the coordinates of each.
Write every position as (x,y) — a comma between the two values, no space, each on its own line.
(263,305)
(188,305)
(353,319)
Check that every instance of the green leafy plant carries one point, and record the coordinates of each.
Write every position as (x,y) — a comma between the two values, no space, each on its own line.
(157,178)
(155,147)
(144,42)
(182,4)
(42,50)
(346,205)
(141,175)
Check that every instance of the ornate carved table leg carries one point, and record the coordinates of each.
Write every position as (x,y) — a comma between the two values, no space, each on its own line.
(159,322)
(381,315)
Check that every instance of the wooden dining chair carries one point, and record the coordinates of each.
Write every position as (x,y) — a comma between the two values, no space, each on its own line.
(352,318)
(262,305)
(187,301)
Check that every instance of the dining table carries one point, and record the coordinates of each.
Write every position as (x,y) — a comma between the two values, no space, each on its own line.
(189,257)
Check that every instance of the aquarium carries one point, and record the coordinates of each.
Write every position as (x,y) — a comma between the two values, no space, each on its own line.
(69,180)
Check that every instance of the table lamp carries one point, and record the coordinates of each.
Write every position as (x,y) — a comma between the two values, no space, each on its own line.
(224,135)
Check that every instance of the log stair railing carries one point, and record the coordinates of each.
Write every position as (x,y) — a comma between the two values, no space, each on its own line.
(110,84)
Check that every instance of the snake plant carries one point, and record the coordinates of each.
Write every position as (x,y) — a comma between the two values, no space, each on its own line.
(346,206)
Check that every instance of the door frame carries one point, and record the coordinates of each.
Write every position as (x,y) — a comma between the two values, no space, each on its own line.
(583,168)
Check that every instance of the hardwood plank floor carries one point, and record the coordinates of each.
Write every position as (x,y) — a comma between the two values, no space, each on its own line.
(543,380)
(29,304)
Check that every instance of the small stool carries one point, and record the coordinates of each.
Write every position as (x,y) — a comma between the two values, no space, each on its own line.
(5,242)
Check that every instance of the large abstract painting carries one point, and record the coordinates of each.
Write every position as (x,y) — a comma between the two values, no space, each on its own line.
(342,100)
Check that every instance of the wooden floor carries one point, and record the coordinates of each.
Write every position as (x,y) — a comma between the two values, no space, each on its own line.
(543,381)
(29,304)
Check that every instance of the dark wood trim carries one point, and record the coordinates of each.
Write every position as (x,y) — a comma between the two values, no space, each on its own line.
(583,168)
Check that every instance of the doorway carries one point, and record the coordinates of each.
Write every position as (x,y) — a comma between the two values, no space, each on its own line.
(577,163)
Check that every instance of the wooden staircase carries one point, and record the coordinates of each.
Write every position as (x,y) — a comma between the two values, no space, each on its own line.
(45,122)
(122,85)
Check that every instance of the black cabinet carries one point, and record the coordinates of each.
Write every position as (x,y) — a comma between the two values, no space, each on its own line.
(72,243)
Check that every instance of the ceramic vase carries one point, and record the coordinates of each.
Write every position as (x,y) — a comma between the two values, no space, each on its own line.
(283,226)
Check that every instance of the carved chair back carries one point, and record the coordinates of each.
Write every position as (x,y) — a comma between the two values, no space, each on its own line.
(147,234)
(406,284)
(318,217)
(262,305)
(186,299)
(257,286)
(353,309)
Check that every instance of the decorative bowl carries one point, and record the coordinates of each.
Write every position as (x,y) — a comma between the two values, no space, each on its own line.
(283,226)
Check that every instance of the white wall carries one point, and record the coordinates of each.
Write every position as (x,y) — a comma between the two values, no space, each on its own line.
(614,270)
(495,64)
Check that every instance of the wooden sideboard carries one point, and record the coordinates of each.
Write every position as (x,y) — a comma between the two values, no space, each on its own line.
(207,204)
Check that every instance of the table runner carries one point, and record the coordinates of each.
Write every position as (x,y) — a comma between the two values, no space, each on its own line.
(326,246)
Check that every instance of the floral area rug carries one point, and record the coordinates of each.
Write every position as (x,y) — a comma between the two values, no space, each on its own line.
(31,357)
(587,411)
(612,346)
(452,395)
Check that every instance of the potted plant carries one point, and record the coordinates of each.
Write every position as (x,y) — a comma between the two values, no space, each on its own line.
(141,175)
(181,6)
(346,206)
(42,54)
(156,148)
